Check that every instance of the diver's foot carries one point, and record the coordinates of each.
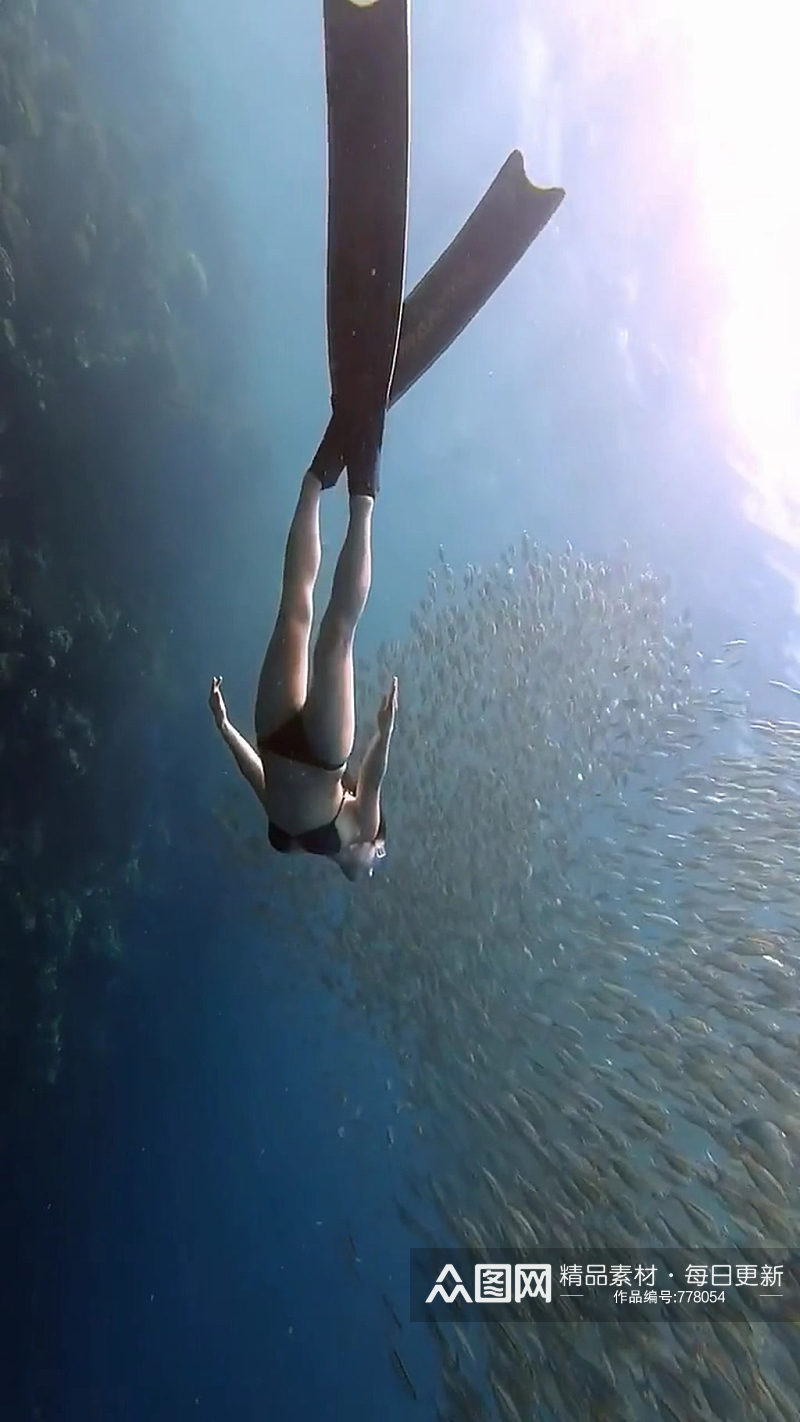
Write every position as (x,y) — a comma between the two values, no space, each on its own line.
(328,462)
(362,487)
(327,478)
(364,459)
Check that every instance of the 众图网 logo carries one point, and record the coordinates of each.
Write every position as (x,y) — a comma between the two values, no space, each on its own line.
(493,1284)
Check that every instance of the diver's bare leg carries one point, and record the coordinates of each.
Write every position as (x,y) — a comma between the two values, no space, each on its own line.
(283,682)
(330,711)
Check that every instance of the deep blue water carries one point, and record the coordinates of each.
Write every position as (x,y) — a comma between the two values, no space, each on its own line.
(197,1238)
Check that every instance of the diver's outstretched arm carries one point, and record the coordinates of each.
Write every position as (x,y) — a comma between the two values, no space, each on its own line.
(248,760)
(370,780)
(374,765)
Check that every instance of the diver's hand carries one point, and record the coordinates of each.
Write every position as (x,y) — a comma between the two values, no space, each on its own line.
(215,701)
(388,710)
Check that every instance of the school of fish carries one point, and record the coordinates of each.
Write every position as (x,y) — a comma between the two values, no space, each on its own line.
(584,952)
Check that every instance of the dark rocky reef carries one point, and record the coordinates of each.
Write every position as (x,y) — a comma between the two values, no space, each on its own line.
(118,322)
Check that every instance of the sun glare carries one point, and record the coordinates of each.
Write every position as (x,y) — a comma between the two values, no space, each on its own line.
(718,92)
(745,100)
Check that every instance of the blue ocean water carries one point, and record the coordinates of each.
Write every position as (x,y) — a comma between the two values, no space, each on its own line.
(200,1211)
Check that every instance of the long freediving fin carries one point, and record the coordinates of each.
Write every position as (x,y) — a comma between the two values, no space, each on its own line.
(508,218)
(366,63)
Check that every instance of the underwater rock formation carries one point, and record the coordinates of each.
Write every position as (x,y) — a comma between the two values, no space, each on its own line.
(94,225)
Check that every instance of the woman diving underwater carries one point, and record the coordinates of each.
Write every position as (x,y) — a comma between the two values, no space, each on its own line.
(378,346)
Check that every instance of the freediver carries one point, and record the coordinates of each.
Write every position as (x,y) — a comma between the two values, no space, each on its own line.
(378,346)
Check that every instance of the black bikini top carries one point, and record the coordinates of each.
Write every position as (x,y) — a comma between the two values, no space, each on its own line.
(325,839)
